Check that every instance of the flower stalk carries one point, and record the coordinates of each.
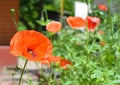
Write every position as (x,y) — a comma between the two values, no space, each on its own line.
(61,9)
(13,17)
(22,72)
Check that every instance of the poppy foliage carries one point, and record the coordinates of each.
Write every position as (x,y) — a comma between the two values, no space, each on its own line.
(30,44)
(92,22)
(53,26)
(102,7)
(75,22)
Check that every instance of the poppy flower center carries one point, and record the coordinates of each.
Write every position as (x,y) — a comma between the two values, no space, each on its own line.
(30,51)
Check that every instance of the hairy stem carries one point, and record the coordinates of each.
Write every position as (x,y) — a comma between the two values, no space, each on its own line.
(22,72)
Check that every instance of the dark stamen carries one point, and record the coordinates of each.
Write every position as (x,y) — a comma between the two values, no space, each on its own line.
(31,52)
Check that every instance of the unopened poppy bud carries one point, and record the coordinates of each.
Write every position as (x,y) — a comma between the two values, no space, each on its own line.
(12,11)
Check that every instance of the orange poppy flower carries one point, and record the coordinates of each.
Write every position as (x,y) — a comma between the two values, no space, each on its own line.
(102,43)
(102,7)
(75,22)
(31,44)
(53,26)
(56,59)
(92,22)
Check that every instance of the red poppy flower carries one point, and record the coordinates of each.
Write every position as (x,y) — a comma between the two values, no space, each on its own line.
(102,7)
(92,22)
(75,22)
(31,44)
(56,59)
(53,26)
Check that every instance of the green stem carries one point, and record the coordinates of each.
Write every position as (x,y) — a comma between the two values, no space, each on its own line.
(87,2)
(42,75)
(88,35)
(61,9)
(52,36)
(22,72)
(118,20)
(14,21)
(44,16)
(13,17)
(12,78)
(109,20)
(87,43)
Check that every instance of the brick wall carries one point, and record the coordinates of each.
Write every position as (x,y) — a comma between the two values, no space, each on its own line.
(7,27)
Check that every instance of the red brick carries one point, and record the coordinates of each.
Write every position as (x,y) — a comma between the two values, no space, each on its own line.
(7,27)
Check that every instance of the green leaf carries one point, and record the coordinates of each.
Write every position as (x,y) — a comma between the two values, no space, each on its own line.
(116,81)
(96,74)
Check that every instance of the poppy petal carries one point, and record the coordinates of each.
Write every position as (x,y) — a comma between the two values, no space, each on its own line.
(56,59)
(92,22)
(102,7)
(53,26)
(64,63)
(75,22)
(50,59)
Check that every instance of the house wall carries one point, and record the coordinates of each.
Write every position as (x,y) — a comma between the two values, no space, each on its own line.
(7,27)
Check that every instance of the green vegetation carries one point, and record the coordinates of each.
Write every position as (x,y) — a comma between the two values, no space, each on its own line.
(95,57)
